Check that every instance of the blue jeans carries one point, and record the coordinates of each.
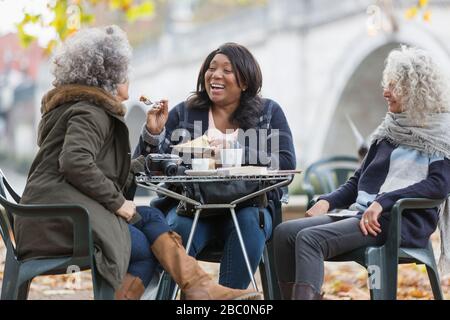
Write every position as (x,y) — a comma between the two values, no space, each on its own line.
(233,270)
(143,233)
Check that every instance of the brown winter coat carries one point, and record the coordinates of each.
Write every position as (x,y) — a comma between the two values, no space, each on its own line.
(84,158)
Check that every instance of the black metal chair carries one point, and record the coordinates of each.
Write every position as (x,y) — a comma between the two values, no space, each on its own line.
(18,273)
(213,253)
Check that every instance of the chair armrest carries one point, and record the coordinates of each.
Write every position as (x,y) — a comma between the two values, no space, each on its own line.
(310,203)
(394,233)
(11,191)
(82,241)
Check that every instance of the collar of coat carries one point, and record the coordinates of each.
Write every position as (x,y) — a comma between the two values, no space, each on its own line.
(76,92)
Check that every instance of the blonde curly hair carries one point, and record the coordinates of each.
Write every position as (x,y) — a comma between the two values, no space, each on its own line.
(417,81)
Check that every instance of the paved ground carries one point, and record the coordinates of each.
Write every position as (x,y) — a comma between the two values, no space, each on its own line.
(68,287)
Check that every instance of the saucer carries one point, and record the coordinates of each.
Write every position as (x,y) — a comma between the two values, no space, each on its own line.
(201,172)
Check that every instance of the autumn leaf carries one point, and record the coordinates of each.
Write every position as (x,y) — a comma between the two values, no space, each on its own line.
(121,4)
(50,47)
(411,12)
(114,4)
(145,9)
(25,38)
(417,293)
(69,16)
(423,3)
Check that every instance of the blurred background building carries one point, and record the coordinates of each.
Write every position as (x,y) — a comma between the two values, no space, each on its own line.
(18,90)
(321,60)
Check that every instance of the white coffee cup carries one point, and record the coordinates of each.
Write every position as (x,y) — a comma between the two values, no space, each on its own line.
(230,157)
(200,164)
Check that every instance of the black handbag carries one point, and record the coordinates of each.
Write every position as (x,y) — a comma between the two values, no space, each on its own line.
(220,193)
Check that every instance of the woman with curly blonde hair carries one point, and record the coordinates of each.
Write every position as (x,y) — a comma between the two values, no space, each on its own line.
(408,158)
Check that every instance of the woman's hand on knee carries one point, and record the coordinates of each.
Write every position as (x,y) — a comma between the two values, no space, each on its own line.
(321,207)
(369,220)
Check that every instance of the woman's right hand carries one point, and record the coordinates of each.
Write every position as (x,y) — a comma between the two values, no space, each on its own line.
(157,117)
(127,210)
(321,207)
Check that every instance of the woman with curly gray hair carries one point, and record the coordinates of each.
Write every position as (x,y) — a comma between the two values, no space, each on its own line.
(94,57)
(84,158)
(408,158)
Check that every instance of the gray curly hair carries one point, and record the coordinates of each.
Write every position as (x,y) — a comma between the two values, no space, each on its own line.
(97,57)
(417,81)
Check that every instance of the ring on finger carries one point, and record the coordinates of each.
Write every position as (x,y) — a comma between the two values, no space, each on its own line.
(366,221)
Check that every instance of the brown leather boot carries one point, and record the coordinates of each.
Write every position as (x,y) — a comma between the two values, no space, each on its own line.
(304,291)
(286,289)
(132,288)
(190,277)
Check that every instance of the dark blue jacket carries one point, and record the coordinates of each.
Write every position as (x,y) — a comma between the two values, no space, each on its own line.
(364,187)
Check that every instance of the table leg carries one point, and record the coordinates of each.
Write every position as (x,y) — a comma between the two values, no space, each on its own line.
(244,251)
(188,245)
(194,226)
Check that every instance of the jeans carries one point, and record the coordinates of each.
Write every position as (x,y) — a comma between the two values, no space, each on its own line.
(233,270)
(143,233)
(302,245)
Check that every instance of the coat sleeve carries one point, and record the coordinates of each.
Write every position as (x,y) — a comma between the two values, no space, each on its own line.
(87,130)
(161,143)
(345,195)
(137,166)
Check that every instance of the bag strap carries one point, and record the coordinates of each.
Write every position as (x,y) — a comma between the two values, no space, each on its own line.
(266,118)
(261,218)
(182,116)
(197,191)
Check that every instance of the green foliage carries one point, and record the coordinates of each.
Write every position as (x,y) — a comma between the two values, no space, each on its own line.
(143,10)
(71,15)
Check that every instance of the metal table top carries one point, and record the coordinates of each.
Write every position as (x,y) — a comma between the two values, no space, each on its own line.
(278,176)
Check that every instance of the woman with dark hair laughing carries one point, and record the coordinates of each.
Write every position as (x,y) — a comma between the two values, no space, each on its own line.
(227,108)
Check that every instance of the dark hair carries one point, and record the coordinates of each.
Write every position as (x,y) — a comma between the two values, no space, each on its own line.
(246,70)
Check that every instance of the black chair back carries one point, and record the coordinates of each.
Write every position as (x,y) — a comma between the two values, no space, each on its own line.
(6,217)
(326,175)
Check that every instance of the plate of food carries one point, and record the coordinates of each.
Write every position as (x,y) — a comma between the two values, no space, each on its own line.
(199,144)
